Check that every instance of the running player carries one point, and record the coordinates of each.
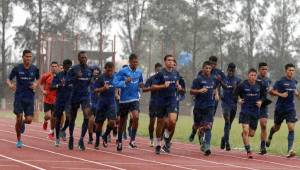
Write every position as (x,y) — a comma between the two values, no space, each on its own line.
(251,95)
(152,103)
(167,84)
(27,76)
(285,89)
(205,92)
(263,116)
(229,103)
(80,77)
(129,80)
(49,98)
(62,99)
(106,107)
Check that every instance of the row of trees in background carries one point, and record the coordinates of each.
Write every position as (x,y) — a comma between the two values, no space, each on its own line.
(243,31)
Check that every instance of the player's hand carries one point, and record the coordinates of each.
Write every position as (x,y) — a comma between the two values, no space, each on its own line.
(13,87)
(241,101)
(106,86)
(203,90)
(259,103)
(128,80)
(34,86)
(167,84)
(284,95)
(178,86)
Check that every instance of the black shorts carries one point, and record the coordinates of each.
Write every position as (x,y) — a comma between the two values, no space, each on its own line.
(289,116)
(229,111)
(83,103)
(250,119)
(106,111)
(264,112)
(164,111)
(49,107)
(126,108)
(203,117)
(24,106)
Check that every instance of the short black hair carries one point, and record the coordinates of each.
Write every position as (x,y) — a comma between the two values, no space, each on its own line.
(167,56)
(81,52)
(157,65)
(262,64)
(252,70)
(67,62)
(231,66)
(287,66)
(133,57)
(54,62)
(26,52)
(205,63)
(109,65)
(213,59)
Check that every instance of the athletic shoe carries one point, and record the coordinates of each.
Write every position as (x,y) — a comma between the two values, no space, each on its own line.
(45,125)
(249,155)
(119,146)
(227,146)
(71,143)
(268,143)
(63,135)
(57,142)
(132,145)
(157,149)
(104,141)
(262,151)
(166,149)
(81,145)
(51,136)
(207,152)
(222,146)
(192,137)
(151,143)
(19,144)
(291,154)
(97,142)
(23,127)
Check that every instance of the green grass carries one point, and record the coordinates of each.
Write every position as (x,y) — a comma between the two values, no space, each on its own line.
(183,129)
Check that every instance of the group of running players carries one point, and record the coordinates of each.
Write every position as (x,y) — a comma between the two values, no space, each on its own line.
(112,96)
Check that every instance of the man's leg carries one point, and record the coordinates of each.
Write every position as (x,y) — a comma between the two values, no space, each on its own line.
(19,121)
(263,135)
(134,127)
(47,117)
(52,123)
(73,115)
(225,138)
(91,126)
(273,130)
(99,125)
(110,125)
(291,134)
(86,116)
(58,116)
(159,132)
(245,136)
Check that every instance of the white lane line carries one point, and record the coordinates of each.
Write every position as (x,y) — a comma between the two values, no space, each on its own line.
(21,162)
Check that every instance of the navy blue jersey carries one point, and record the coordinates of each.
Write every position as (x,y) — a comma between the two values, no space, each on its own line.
(229,84)
(250,94)
(154,94)
(266,83)
(215,73)
(285,85)
(181,95)
(63,90)
(94,96)
(204,100)
(108,95)
(80,76)
(169,93)
(24,78)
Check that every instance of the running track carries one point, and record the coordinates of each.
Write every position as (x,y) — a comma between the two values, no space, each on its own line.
(40,153)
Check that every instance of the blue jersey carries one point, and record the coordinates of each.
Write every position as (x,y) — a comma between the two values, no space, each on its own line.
(229,84)
(204,100)
(250,94)
(63,90)
(129,91)
(168,94)
(24,79)
(154,94)
(80,76)
(107,96)
(215,73)
(94,96)
(285,85)
(266,83)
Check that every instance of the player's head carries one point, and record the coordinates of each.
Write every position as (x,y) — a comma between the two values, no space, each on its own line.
(27,57)
(252,74)
(133,61)
(96,71)
(157,67)
(109,68)
(231,69)
(263,69)
(82,57)
(54,67)
(290,70)
(213,60)
(169,61)
(67,63)
(206,68)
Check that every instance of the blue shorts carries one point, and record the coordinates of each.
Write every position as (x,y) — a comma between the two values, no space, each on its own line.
(264,112)
(106,111)
(250,119)
(203,116)
(24,106)
(83,103)
(289,116)
(126,108)
(228,111)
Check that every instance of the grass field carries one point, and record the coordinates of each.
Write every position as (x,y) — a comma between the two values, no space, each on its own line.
(183,129)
